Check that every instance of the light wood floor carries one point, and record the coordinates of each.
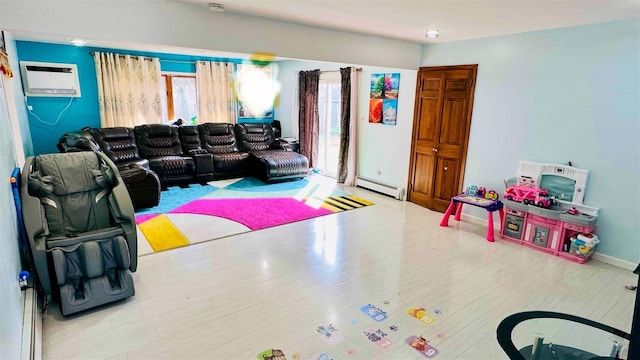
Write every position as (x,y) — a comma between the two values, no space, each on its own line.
(270,289)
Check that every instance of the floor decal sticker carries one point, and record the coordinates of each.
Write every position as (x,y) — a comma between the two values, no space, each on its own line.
(272,354)
(378,338)
(393,328)
(374,312)
(351,351)
(323,356)
(421,345)
(420,314)
(330,334)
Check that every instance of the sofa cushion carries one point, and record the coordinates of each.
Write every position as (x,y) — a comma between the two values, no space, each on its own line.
(218,138)
(271,165)
(255,137)
(169,166)
(229,163)
(118,143)
(158,140)
(189,138)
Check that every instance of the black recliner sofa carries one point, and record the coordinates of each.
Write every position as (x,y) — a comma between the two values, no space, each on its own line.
(199,153)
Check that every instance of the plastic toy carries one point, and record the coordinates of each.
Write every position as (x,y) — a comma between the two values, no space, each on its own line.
(573,211)
(491,195)
(472,190)
(481,191)
(529,196)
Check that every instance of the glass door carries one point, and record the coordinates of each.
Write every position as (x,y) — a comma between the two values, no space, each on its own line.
(329,113)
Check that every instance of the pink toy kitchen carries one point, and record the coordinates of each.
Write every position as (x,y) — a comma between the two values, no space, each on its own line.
(544,211)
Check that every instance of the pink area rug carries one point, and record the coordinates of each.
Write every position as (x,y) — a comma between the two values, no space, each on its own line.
(255,214)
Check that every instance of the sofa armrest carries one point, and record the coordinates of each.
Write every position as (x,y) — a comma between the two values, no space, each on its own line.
(204,164)
(277,145)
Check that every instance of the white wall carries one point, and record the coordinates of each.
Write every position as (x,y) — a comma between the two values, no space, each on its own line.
(168,23)
(556,96)
(383,150)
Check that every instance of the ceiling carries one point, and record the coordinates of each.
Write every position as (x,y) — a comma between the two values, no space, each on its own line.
(456,19)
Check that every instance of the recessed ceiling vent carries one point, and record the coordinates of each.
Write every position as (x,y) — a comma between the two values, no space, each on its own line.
(216,7)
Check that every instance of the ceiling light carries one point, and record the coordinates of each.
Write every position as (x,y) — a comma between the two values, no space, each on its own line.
(216,7)
(78,42)
(432,34)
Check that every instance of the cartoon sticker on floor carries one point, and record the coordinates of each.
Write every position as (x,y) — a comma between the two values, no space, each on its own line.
(330,334)
(323,356)
(272,354)
(422,346)
(378,338)
(374,312)
(421,314)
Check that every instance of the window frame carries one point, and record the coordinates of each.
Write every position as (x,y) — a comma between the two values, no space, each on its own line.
(169,88)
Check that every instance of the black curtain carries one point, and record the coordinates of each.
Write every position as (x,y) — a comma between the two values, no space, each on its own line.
(345,119)
(308,114)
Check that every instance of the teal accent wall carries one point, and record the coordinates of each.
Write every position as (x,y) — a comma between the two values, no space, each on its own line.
(555,96)
(84,110)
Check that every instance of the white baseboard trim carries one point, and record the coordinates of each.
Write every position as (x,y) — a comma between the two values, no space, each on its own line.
(627,265)
(31,326)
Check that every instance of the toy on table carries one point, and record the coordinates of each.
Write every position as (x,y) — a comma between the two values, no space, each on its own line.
(573,211)
(481,192)
(529,195)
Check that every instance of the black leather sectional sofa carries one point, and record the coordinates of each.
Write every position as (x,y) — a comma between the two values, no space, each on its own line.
(177,155)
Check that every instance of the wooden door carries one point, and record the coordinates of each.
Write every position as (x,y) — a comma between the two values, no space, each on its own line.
(441,123)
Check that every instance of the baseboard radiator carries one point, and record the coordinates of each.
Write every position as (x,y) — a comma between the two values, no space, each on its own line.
(31,326)
(379,187)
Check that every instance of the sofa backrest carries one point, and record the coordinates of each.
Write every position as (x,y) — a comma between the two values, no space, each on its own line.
(254,137)
(118,143)
(218,138)
(158,140)
(189,138)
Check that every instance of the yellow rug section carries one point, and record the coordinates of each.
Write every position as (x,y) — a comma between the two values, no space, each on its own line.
(344,203)
(162,234)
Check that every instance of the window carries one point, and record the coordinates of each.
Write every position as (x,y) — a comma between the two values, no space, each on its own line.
(181,100)
(329,114)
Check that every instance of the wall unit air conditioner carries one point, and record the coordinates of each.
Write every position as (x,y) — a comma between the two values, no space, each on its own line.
(50,79)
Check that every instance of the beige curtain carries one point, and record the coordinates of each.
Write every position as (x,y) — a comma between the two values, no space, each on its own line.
(129,91)
(216,100)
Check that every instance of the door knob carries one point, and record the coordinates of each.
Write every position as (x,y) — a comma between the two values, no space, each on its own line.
(446,168)
(435,150)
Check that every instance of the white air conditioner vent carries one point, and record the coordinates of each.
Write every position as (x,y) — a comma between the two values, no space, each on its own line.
(50,79)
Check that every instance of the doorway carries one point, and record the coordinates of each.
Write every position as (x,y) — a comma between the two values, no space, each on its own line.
(441,124)
(329,102)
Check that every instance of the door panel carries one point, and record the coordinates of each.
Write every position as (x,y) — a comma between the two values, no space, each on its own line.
(442,119)
(446,182)
(452,131)
(423,181)
(428,112)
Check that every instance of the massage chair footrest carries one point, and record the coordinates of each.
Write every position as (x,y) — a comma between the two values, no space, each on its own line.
(92,273)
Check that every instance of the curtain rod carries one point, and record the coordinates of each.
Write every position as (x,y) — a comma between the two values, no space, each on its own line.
(331,71)
(162,60)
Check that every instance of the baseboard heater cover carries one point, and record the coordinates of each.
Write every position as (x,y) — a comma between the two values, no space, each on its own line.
(382,188)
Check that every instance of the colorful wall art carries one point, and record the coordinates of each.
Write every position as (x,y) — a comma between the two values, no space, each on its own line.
(383,103)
